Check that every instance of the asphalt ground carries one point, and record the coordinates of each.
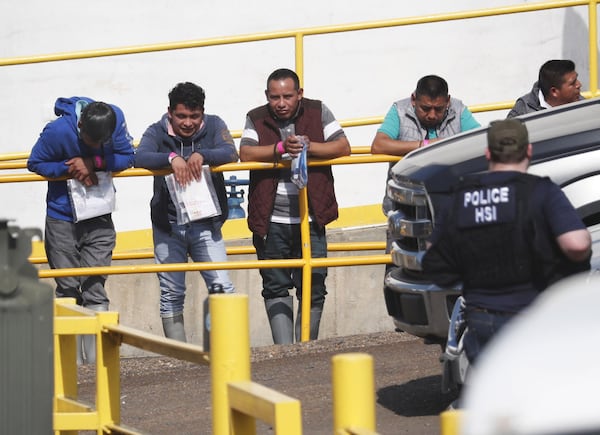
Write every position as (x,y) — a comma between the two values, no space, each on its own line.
(161,395)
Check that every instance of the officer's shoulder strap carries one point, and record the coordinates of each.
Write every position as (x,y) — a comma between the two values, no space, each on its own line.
(530,178)
(469,180)
(529,182)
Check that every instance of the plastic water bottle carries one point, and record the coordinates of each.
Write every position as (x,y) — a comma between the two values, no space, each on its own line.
(288,131)
(299,165)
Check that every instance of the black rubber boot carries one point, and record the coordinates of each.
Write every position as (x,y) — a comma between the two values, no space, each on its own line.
(281,318)
(89,341)
(174,327)
(315,322)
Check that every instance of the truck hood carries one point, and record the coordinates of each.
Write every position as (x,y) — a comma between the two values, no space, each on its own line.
(564,131)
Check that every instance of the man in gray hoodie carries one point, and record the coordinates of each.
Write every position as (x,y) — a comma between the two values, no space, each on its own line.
(557,84)
(185,139)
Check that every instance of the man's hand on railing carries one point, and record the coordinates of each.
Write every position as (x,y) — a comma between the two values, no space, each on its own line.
(82,169)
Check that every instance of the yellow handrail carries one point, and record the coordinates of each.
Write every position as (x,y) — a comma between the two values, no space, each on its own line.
(298,34)
(358,158)
(236,400)
(301,33)
(108,412)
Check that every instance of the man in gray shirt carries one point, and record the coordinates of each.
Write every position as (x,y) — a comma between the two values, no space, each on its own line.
(557,84)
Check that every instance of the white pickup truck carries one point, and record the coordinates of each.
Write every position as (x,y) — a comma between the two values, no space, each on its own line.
(566,147)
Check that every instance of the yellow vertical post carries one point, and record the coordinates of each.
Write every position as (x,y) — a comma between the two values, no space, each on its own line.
(65,362)
(450,422)
(307,268)
(108,376)
(593,45)
(304,226)
(353,392)
(299,48)
(229,352)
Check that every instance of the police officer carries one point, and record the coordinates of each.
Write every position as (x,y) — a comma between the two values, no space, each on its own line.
(506,235)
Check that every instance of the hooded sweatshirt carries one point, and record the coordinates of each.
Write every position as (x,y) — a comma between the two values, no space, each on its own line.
(529,102)
(59,141)
(213,141)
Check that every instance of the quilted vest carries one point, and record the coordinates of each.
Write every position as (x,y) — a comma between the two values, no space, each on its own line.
(322,203)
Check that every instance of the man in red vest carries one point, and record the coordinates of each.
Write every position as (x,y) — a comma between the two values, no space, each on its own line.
(276,131)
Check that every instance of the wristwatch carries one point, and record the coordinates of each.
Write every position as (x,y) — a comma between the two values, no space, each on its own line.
(172,156)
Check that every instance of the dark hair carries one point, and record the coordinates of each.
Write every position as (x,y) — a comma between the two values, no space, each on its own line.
(552,74)
(98,121)
(431,86)
(282,74)
(190,95)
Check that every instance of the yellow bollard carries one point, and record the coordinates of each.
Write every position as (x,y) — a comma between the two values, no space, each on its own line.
(450,422)
(229,352)
(353,392)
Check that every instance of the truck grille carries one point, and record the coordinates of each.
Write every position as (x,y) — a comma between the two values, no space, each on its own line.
(409,224)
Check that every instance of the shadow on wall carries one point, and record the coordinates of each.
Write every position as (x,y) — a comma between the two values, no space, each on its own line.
(575,45)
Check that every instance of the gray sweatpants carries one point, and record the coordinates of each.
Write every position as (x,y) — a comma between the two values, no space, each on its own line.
(87,243)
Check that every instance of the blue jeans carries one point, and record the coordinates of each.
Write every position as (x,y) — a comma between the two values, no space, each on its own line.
(88,243)
(481,328)
(283,241)
(203,242)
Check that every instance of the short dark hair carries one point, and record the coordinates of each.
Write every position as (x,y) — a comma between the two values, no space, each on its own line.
(432,86)
(189,94)
(282,74)
(507,140)
(552,74)
(98,121)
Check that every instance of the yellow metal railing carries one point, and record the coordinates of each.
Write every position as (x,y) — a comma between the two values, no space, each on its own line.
(76,323)
(300,34)
(69,414)
(307,263)
(237,402)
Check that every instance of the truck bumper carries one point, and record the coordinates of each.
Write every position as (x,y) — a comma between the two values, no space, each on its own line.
(418,307)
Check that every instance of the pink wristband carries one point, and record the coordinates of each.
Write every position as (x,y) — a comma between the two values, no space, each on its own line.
(280,148)
(425,142)
(98,162)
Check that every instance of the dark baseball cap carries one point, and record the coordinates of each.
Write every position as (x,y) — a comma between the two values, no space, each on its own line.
(507,136)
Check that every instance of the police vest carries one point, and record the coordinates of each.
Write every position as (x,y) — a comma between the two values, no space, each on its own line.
(492,232)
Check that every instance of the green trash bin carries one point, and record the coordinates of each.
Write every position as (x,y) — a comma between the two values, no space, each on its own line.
(26,338)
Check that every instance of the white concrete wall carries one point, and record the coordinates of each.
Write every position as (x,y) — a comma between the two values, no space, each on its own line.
(357,74)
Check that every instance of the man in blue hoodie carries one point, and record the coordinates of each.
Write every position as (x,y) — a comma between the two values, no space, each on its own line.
(87,137)
(184,140)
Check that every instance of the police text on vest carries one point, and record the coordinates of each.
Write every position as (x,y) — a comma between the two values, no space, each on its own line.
(484,202)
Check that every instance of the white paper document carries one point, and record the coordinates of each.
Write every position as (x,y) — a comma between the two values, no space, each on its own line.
(197,200)
(92,201)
